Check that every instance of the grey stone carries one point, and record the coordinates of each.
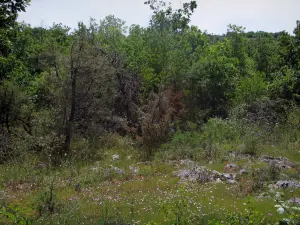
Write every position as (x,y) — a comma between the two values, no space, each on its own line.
(117,170)
(294,201)
(203,175)
(218,180)
(227,176)
(288,184)
(115,157)
(134,169)
(231,166)
(243,171)
(280,162)
(216,174)
(230,182)
(182,174)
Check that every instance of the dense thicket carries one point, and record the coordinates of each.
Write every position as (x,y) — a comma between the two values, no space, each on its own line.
(58,86)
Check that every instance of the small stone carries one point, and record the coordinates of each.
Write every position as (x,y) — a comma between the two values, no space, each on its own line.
(117,170)
(288,184)
(230,182)
(218,180)
(295,201)
(243,171)
(115,157)
(227,176)
(134,169)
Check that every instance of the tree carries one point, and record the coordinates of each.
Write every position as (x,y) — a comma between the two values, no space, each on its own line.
(90,89)
(8,14)
(9,11)
(210,82)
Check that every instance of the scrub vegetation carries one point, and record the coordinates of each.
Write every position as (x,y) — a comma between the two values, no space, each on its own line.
(165,124)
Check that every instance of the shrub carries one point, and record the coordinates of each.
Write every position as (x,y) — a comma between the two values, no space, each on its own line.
(14,216)
(250,89)
(214,140)
(162,109)
(47,202)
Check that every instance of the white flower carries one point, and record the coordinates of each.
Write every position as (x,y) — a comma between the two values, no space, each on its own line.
(280,210)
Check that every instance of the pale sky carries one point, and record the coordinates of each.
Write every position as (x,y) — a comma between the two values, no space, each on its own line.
(210,15)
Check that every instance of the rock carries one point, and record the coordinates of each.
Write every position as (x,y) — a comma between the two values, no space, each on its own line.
(280,162)
(230,182)
(243,171)
(203,175)
(216,174)
(294,201)
(227,176)
(182,174)
(288,184)
(134,169)
(117,170)
(218,181)
(230,167)
(199,174)
(115,157)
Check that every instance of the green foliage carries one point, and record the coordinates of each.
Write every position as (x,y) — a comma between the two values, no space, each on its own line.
(46,202)
(251,216)
(213,141)
(9,10)
(14,217)
(66,96)
(285,84)
(250,89)
(211,80)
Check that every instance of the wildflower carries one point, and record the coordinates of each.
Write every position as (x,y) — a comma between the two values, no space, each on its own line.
(280,210)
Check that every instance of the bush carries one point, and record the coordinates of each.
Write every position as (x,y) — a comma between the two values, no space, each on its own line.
(47,202)
(162,109)
(214,140)
(251,141)
(250,89)
(184,145)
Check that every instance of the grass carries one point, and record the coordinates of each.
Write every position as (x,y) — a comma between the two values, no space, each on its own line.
(144,200)
(151,195)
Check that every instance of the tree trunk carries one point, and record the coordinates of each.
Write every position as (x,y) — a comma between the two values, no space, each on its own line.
(69,124)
